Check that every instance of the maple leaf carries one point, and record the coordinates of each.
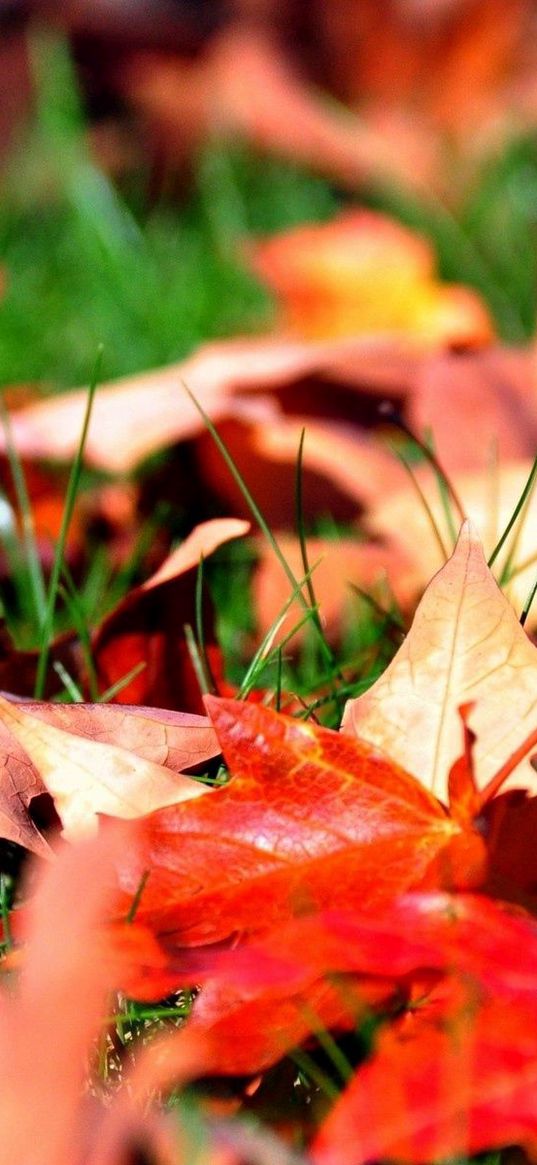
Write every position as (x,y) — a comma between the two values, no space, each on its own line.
(274,989)
(95,759)
(465,645)
(454,1078)
(310,818)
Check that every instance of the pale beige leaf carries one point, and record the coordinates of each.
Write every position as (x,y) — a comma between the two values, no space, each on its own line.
(179,741)
(86,777)
(465,644)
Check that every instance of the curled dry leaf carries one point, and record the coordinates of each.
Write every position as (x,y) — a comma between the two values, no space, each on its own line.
(347,459)
(344,468)
(137,416)
(86,777)
(465,645)
(365,273)
(147,629)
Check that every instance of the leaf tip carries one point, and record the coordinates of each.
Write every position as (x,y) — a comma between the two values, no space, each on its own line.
(468,535)
(219,708)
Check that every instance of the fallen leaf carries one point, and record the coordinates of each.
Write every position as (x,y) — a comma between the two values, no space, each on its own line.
(447,64)
(489,499)
(146,630)
(137,416)
(447,1084)
(86,777)
(19,785)
(341,564)
(178,741)
(495,388)
(337,454)
(364,273)
(274,988)
(465,645)
(245,85)
(51,1111)
(462,934)
(310,818)
(45,1033)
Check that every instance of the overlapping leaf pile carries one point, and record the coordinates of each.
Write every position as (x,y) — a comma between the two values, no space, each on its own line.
(383,327)
(389,868)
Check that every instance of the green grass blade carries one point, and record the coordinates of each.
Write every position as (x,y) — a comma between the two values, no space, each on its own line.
(5,904)
(33,561)
(252,504)
(72,489)
(434,524)
(261,655)
(198,663)
(524,495)
(72,689)
(119,685)
(299,511)
(200,631)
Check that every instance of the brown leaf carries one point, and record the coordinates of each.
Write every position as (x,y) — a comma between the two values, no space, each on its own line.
(175,740)
(465,645)
(87,777)
(19,784)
